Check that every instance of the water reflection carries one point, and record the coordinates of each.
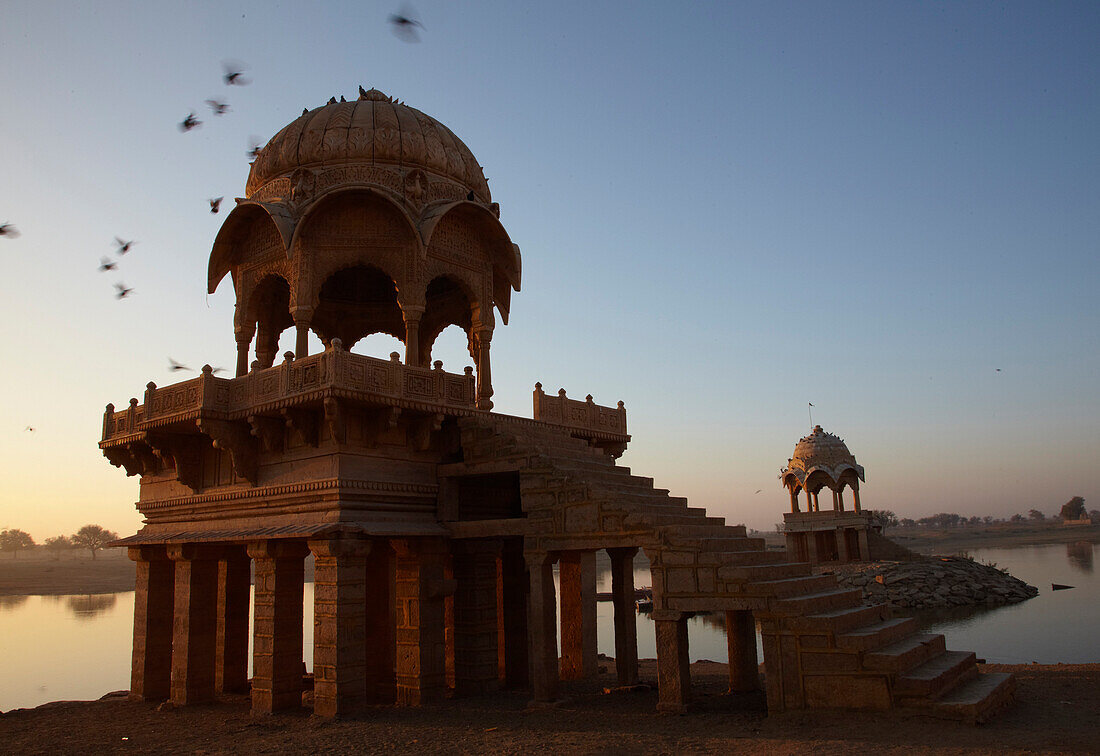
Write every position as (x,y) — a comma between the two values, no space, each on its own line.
(87,607)
(11,602)
(1079,555)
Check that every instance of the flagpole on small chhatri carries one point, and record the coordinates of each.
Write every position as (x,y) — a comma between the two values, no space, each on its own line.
(811,404)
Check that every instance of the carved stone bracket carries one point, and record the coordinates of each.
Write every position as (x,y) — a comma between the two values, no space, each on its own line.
(378,422)
(186,455)
(237,439)
(421,430)
(336,418)
(269,430)
(120,456)
(302,424)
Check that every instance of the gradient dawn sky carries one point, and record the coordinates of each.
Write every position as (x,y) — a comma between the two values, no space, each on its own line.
(726,210)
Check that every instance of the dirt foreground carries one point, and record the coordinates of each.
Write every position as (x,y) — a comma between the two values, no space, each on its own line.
(1057,711)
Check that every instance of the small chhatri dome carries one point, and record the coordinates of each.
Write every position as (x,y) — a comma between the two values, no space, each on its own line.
(372,130)
(821,451)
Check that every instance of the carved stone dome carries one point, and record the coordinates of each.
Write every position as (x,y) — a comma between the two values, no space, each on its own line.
(821,451)
(374,130)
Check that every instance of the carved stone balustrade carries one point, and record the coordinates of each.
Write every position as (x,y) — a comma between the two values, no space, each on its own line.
(604,427)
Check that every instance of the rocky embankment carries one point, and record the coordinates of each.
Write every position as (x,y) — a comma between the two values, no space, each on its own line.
(933,582)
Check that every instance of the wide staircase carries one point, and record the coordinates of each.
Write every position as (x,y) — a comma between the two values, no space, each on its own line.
(822,647)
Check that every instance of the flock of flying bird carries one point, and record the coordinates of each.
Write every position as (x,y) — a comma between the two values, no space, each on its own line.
(404,24)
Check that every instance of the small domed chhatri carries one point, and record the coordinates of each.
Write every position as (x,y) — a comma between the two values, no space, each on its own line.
(822,460)
(822,452)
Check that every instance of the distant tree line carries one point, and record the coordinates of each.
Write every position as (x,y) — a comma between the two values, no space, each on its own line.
(92,537)
(1074,509)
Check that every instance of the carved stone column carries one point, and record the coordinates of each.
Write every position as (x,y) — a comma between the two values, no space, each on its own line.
(476,652)
(267,344)
(151,668)
(244,341)
(412,315)
(234,584)
(673,665)
(195,624)
(626,627)
(302,317)
(421,652)
(277,625)
(543,626)
(744,669)
(339,626)
(512,585)
(579,654)
(855,499)
(864,546)
(484,374)
(794,500)
(842,544)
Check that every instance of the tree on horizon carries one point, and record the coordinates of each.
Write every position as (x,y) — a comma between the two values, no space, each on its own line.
(15,540)
(93,537)
(1074,509)
(1036,515)
(57,544)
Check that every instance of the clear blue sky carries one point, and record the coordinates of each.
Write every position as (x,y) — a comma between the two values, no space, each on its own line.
(726,211)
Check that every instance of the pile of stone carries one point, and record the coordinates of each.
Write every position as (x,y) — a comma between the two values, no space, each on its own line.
(933,582)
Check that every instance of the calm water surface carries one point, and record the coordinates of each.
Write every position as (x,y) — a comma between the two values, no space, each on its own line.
(78,647)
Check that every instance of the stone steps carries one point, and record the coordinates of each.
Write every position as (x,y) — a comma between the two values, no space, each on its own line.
(872,637)
(816,603)
(905,654)
(838,620)
(790,586)
(978,699)
(935,677)
(754,572)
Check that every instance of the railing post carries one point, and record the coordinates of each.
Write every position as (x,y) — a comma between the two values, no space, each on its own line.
(108,420)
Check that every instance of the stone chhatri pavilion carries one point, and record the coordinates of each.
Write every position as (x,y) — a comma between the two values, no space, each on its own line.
(436,523)
(822,460)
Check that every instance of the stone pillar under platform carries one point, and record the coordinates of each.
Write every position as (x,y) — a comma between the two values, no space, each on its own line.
(476,650)
(277,625)
(744,669)
(339,626)
(195,622)
(864,546)
(154,601)
(421,651)
(579,654)
(512,643)
(626,626)
(842,544)
(231,652)
(673,664)
(542,626)
(381,644)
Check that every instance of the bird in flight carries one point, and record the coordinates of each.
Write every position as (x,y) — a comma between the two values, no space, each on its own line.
(405,24)
(758,491)
(189,122)
(30,429)
(121,291)
(175,367)
(234,74)
(998,370)
(106,264)
(218,108)
(215,204)
(215,371)
(124,246)
(254,150)
(8,230)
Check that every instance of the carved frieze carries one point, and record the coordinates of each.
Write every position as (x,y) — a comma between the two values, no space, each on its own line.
(237,439)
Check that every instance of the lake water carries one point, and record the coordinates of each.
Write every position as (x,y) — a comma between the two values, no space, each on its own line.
(78,647)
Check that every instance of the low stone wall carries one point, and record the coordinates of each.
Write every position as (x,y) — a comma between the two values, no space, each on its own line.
(933,582)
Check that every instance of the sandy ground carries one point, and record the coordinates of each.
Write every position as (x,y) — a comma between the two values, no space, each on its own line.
(1057,711)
